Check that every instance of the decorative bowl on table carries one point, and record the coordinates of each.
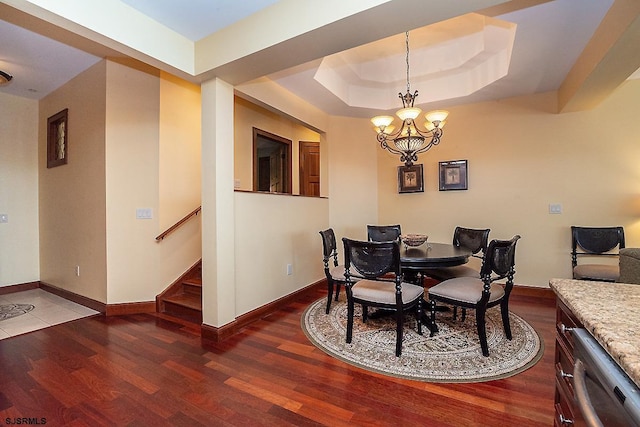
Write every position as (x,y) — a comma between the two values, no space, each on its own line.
(413,239)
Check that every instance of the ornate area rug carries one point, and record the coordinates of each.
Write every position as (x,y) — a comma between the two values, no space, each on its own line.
(7,311)
(452,355)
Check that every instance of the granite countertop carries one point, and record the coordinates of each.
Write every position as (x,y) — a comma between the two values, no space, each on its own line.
(611,312)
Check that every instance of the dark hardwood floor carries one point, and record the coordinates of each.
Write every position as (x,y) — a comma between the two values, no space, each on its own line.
(151,370)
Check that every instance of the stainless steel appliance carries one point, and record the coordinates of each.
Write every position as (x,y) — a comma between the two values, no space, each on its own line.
(604,393)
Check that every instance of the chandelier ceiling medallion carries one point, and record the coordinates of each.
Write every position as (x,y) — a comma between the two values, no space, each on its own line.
(409,140)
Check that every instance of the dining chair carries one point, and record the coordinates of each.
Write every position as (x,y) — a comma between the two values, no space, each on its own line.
(482,293)
(370,263)
(475,240)
(590,242)
(383,233)
(332,270)
(472,239)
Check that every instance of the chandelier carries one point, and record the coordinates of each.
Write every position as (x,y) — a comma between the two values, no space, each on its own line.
(409,140)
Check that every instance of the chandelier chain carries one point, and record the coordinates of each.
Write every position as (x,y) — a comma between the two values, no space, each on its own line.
(407,44)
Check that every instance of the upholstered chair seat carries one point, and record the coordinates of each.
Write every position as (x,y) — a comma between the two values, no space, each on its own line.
(600,272)
(385,292)
(337,273)
(466,289)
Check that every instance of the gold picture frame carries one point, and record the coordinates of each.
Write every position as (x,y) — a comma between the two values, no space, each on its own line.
(58,139)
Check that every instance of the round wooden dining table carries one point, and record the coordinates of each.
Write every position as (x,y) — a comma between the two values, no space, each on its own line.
(432,255)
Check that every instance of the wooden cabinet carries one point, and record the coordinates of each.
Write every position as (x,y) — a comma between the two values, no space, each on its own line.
(565,407)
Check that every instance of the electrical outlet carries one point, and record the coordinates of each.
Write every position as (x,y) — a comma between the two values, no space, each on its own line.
(78,270)
(289,269)
(4,218)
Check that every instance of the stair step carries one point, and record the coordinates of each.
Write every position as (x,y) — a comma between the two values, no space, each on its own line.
(187,300)
(194,281)
(192,286)
(183,298)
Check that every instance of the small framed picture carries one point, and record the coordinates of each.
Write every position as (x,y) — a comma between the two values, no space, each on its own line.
(410,179)
(58,139)
(453,175)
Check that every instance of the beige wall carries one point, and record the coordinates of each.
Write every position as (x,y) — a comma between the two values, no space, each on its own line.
(132,171)
(72,198)
(19,257)
(522,157)
(353,177)
(271,232)
(127,128)
(153,161)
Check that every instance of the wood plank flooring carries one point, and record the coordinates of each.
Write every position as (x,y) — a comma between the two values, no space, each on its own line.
(151,370)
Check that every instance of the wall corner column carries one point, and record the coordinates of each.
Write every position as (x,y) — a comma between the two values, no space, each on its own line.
(218,216)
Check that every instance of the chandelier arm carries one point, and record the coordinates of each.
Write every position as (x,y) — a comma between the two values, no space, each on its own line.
(428,134)
(425,147)
(435,140)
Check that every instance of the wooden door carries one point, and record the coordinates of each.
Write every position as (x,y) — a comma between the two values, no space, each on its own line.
(309,168)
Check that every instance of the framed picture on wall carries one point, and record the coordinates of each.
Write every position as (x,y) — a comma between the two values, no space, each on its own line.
(58,139)
(410,179)
(453,175)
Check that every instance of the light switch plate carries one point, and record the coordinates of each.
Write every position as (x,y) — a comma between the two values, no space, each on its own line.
(555,208)
(144,213)
(4,218)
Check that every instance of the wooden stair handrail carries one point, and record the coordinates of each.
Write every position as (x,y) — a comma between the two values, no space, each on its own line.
(179,223)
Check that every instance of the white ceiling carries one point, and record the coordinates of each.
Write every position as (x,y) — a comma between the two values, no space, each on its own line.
(201,17)
(549,38)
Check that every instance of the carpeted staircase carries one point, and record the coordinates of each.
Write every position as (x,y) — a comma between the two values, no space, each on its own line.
(183,298)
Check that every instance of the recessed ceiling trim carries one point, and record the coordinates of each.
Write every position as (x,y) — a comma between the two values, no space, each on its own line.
(455,58)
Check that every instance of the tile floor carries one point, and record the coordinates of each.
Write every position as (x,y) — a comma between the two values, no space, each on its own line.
(49,310)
